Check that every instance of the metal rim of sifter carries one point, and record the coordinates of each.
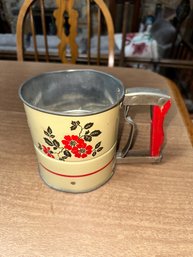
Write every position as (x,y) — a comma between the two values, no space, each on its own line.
(27,83)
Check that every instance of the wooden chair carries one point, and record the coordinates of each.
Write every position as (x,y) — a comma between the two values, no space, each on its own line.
(67,25)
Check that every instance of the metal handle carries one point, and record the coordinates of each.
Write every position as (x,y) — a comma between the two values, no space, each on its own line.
(160,103)
(123,153)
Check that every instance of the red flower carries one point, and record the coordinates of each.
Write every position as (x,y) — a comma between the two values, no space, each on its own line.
(70,142)
(47,151)
(82,150)
(77,146)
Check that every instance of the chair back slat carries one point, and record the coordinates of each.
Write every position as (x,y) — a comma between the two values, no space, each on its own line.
(88,8)
(110,30)
(43,20)
(66,22)
(33,34)
(124,32)
(98,36)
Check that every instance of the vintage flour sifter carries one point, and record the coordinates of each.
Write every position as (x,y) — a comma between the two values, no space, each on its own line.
(74,119)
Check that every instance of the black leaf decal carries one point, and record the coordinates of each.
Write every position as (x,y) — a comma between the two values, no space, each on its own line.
(73,127)
(46,133)
(87,132)
(95,133)
(49,130)
(99,149)
(75,123)
(87,138)
(48,141)
(52,136)
(39,146)
(98,145)
(63,158)
(56,143)
(67,153)
(88,125)
(94,153)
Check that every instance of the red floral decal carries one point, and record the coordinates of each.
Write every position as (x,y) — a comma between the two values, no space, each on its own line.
(71,141)
(82,150)
(48,151)
(72,145)
(77,146)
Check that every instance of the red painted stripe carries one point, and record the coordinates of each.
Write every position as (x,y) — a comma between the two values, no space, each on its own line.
(77,176)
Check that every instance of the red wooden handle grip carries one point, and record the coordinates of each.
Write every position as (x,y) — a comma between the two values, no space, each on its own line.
(157,133)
